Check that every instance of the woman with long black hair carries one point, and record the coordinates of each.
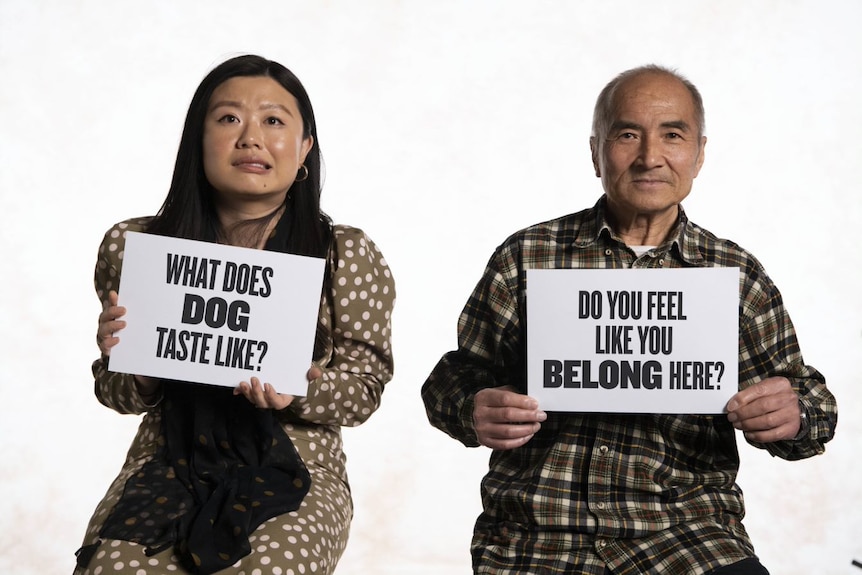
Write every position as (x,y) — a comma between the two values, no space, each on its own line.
(244,480)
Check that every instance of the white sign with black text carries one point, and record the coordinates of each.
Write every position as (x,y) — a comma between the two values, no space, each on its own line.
(633,340)
(216,314)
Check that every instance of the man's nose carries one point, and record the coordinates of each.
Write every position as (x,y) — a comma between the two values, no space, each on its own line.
(650,155)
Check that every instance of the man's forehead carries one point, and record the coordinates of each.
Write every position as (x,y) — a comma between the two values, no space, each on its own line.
(659,95)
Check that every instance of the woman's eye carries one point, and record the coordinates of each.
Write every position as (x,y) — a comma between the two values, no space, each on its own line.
(228,119)
(273,121)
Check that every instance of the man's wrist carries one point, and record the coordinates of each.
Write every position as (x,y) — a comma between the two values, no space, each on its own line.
(804,422)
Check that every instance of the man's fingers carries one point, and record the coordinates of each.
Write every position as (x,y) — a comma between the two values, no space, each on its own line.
(766,411)
(504,418)
(506,444)
(506,436)
(767,387)
(770,434)
(505,397)
(509,431)
(508,415)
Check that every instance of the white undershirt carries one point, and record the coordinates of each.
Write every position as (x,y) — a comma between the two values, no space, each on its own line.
(641,250)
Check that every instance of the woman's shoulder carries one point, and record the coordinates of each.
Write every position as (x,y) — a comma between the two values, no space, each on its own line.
(354,254)
(114,240)
(117,233)
(350,238)
(341,231)
(138,224)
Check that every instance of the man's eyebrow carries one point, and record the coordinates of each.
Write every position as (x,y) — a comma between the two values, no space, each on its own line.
(681,125)
(618,125)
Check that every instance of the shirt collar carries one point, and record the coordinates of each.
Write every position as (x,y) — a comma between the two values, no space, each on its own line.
(682,239)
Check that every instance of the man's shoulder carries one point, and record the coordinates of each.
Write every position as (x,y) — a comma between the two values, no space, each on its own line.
(720,251)
(561,230)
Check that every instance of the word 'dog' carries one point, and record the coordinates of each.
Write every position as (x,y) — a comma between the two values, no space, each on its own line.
(216,312)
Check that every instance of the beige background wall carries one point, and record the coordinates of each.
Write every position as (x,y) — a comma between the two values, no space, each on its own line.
(445,126)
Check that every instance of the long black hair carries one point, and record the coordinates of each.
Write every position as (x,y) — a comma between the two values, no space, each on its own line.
(189,210)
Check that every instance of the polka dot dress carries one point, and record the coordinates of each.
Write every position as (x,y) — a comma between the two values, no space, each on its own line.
(353,350)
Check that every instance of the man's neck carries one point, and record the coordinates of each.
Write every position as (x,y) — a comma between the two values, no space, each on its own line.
(644,229)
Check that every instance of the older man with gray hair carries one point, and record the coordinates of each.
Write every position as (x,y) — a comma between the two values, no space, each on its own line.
(624,494)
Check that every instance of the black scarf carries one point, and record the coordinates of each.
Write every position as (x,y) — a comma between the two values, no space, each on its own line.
(225,468)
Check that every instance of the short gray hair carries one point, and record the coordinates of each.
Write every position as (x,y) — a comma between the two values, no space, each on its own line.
(602,115)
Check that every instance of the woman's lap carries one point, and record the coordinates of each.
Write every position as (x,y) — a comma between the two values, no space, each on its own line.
(308,540)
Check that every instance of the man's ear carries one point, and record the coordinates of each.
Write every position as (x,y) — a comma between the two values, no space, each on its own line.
(701,155)
(594,150)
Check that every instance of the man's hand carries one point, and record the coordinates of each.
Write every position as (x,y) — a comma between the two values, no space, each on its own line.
(505,419)
(767,411)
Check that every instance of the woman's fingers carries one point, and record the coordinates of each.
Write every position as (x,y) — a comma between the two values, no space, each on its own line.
(262,395)
(109,324)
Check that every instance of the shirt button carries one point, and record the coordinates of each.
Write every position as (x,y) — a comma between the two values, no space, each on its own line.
(603,449)
(601,543)
(661,263)
(608,252)
(600,505)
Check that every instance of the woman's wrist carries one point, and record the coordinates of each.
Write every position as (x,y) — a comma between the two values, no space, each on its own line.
(148,388)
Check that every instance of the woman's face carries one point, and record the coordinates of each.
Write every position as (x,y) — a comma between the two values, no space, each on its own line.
(253,142)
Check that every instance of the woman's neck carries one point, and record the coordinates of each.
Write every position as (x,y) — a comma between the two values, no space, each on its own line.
(249,229)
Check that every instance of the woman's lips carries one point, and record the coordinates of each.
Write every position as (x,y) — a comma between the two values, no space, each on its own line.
(252,165)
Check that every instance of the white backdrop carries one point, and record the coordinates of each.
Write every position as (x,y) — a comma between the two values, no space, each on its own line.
(445,126)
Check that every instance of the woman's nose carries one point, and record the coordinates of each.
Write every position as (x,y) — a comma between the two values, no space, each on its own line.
(250,137)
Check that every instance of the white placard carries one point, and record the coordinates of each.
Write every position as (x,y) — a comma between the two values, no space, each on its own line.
(633,340)
(210,313)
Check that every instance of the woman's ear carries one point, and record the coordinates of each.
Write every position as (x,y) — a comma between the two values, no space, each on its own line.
(307,144)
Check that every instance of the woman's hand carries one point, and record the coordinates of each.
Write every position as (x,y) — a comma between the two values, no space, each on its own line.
(264,395)
(109,324)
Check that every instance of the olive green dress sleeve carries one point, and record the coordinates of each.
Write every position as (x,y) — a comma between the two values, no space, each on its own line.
(354,334)
(116,390)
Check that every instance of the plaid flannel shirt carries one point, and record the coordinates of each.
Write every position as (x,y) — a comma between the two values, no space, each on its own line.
(636,493)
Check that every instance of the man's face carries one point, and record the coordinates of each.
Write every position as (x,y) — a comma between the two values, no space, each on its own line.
(652,150)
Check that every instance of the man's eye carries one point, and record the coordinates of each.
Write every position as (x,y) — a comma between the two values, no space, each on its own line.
(673,136)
